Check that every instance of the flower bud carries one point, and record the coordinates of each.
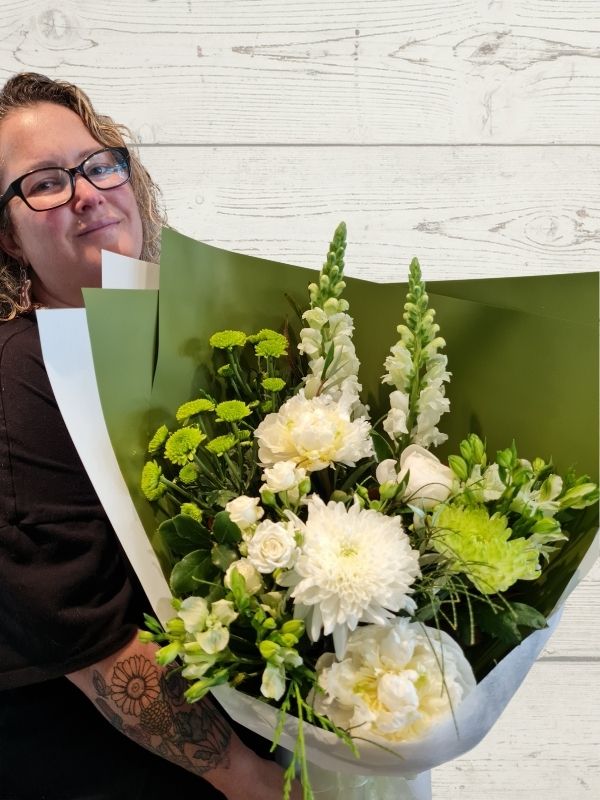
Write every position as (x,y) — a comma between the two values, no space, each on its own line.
(388,490)
(293,626)
(459,467)
(268,649)
(269,624)
(268,497)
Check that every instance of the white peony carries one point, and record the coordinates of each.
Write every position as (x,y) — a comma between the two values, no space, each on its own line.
(245,512)
(248,572)
(314,433)
(396,682)
(430,482)
(273,546)
(284,476)
(355,565)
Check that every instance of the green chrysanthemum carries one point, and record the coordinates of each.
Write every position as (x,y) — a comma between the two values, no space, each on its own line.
(232,411)
(221,444)
(182,445)
(242,435)
(194,407)
(151,483)
(479,547)
(159,438)
(188,474)
(273,346)
(273,384)
(226,371)
(191,510)
(226,340)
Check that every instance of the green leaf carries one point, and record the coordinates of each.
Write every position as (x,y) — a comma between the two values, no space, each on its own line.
(528,617)
(382,447)
(224,530)
(220,497)
(189,574)
(183,534)
(222,556)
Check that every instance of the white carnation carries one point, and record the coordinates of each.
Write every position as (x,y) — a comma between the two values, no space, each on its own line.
(355,565)
(396,682)
(273,546)
(314,433)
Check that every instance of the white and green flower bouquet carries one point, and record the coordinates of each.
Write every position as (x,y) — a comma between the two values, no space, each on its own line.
(337,586)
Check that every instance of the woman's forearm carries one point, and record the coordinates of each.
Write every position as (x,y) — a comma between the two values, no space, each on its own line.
(145,702)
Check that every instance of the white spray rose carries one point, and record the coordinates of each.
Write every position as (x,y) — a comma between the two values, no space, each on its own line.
(396,682)
(245,512)
(273,546)
(248,572)
(284,476)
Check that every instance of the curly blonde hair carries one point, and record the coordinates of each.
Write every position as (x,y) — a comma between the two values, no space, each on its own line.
(25,89)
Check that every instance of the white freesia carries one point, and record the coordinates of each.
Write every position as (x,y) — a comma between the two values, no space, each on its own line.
(314,433)
(273,546)
(430,482)
(355,565)
(207,627)
(396,682)
(248,572)
(487,486)
(284,476)
(245,512)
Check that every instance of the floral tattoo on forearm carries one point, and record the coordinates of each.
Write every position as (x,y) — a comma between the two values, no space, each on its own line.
(195,736)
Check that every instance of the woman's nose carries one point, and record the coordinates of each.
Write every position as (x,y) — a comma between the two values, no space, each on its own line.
(85,195)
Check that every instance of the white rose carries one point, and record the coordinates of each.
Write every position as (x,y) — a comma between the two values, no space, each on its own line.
(430,482)
(396,681)
(248,572)
(273,546)
(284,476)
(244,511)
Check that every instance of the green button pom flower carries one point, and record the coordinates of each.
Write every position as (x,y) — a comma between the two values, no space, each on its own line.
(182,445)
(273,384)
(191,510)
(479,546)
(188,473)
(272,347)
(159,438)
(194,407)
(221,444)
(232,411)
(226,340)
(151,484)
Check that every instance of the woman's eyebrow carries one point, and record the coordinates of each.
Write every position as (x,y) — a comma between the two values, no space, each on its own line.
(54,162)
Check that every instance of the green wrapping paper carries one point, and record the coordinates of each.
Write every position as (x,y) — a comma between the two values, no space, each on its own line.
(523,353)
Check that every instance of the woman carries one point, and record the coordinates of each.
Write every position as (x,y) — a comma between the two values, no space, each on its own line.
(69,603)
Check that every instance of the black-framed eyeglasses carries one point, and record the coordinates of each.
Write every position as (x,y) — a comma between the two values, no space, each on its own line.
(51,187)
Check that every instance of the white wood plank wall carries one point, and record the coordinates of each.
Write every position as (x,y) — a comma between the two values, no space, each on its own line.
(466,132)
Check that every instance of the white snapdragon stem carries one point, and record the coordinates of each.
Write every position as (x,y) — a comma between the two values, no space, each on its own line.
(418,372)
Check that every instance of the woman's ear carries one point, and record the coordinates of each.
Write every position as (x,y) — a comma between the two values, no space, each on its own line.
(9,242)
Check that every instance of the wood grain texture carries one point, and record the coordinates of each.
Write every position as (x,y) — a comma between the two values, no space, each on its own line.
(346,71)
(466,212)
(545,746)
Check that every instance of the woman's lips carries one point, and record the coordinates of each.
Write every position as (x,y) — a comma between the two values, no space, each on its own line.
(95,227)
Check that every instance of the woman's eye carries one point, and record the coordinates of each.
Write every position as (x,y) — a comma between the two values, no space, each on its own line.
(45,186)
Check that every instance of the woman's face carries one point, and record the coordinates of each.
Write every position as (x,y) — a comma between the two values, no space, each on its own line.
(63,245)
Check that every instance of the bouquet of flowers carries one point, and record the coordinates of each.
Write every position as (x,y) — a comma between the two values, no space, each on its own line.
(352,587)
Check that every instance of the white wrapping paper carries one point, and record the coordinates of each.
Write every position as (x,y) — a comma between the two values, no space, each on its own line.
(68,358)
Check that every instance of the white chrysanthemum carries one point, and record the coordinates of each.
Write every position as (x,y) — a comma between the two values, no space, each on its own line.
(314,433)
(396,682)
(355,565)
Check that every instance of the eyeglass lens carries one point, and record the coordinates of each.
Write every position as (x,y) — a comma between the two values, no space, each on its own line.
(47,188)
